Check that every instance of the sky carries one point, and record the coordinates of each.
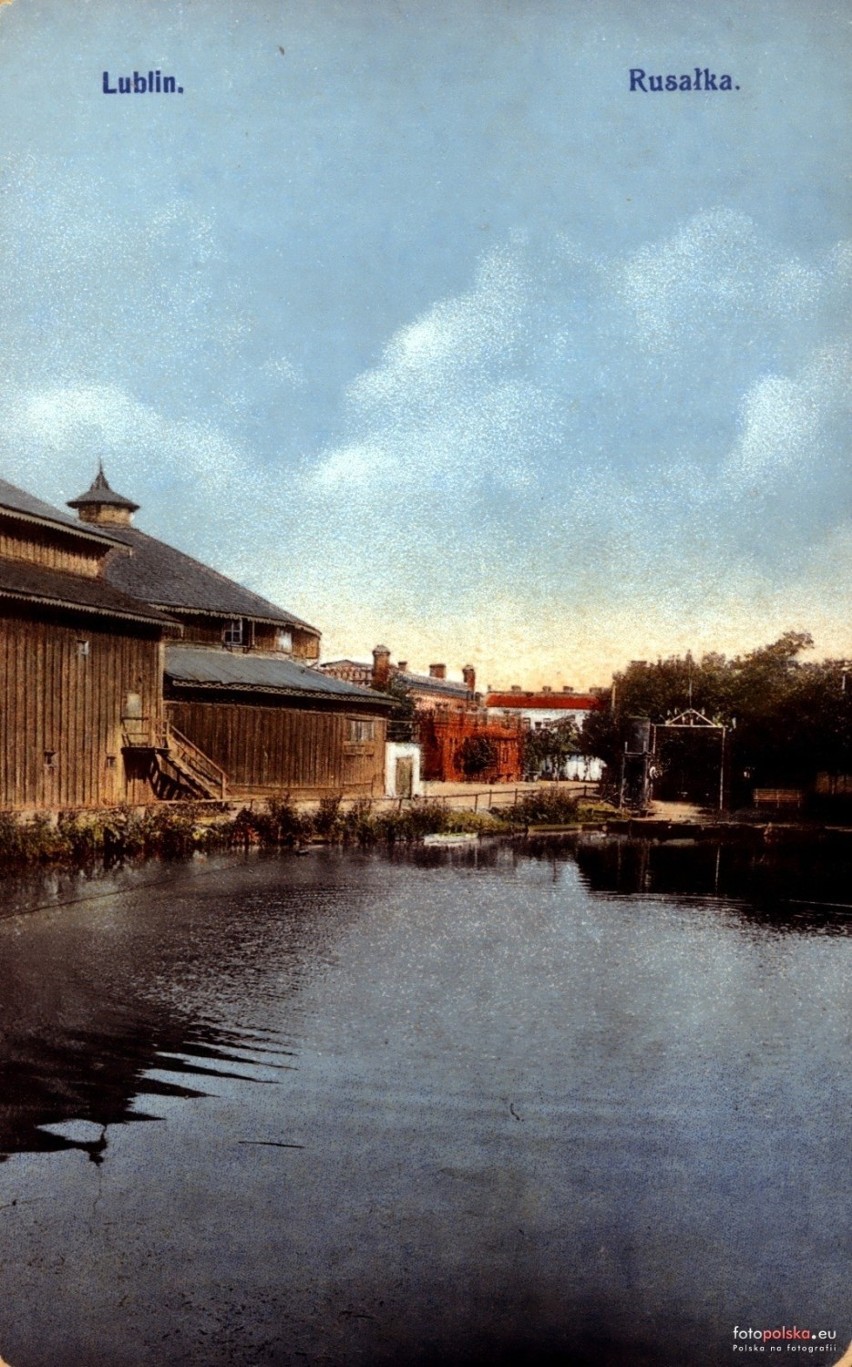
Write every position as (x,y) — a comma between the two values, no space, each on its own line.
(416,320)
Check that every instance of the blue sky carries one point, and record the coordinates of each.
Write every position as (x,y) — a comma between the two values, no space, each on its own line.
(415,319)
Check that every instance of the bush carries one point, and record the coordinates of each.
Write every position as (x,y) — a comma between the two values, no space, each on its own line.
(477,754)
(549,807)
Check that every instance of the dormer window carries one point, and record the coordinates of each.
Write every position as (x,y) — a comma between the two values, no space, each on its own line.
(238,634)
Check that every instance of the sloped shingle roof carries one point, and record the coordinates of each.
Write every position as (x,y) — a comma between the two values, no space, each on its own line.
(31,509)
(172,580)
(36,583)
(197,667)
(100,492)
(428,683)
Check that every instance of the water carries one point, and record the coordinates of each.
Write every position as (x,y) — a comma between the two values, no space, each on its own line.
(529,1105)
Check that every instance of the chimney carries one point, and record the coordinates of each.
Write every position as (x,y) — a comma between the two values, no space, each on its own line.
(566,688)
(516,688)
(546,688)
(437,671)
(403,666)
(381,668)
(469,676)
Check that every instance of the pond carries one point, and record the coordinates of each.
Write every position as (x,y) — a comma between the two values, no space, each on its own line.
(538,1103)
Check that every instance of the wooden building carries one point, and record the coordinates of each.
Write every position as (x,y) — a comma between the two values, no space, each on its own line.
(276,725)
(81,663)
(212,609)
(246,712)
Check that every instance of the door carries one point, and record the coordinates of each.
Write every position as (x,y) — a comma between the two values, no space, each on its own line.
(404,782)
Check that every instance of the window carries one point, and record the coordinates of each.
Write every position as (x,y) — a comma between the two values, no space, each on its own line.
(83,650)
(232,635)
(132,706)
(360,730)
(284,640)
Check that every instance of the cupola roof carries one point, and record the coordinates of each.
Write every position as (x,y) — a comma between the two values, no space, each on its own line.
(100,492)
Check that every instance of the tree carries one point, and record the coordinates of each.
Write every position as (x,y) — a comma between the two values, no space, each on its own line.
(785,719)
(547,748)
(476,754)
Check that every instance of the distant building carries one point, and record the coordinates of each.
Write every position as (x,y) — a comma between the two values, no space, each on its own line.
(545,708)
(80,665)
(427,691)
(246,712)
(458,740)
(460,747)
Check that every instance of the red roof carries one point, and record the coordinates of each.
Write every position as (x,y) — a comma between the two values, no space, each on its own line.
(551,702)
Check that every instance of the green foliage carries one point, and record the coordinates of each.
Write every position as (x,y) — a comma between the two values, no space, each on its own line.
(547,748)
(401,722)
(786,719)
(476,754)
(543,807)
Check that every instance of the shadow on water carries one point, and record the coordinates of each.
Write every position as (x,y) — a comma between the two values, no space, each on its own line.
(82,1029)
(73,1050)
(51,1075)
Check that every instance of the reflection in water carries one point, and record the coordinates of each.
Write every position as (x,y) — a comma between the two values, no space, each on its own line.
(93,1074)
(475,1105)
(799,887)
(80,1036)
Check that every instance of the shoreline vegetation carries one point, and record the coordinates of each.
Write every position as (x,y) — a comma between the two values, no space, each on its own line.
(179,829)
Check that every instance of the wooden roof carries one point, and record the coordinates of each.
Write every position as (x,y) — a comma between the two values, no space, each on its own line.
(99,492)
(25,582)
(26,507)
(197,667)
(171,580)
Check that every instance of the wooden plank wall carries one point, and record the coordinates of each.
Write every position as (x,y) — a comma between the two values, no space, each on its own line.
(56,698)
(208,631)
(282,748)
(38,547)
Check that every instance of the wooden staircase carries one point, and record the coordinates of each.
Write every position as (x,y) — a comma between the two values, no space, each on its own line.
(174,765)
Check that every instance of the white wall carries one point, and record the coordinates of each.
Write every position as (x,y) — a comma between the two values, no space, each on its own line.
(395,750)
(543,716)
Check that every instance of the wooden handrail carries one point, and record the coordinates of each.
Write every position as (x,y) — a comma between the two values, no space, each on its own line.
(195,758)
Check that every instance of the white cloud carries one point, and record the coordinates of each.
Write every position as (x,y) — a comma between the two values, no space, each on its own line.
(715,268)
(576,435)
(785,420)
(284,371)
(558,461)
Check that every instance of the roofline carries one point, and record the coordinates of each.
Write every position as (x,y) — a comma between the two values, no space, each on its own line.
(72,528)
(543,702)
(282,621)
(432,681)
(312,695)
(86,609)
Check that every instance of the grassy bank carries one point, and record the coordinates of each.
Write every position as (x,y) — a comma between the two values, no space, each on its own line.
(177,830)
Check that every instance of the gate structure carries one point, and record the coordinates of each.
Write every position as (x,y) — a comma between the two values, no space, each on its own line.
(688,762)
